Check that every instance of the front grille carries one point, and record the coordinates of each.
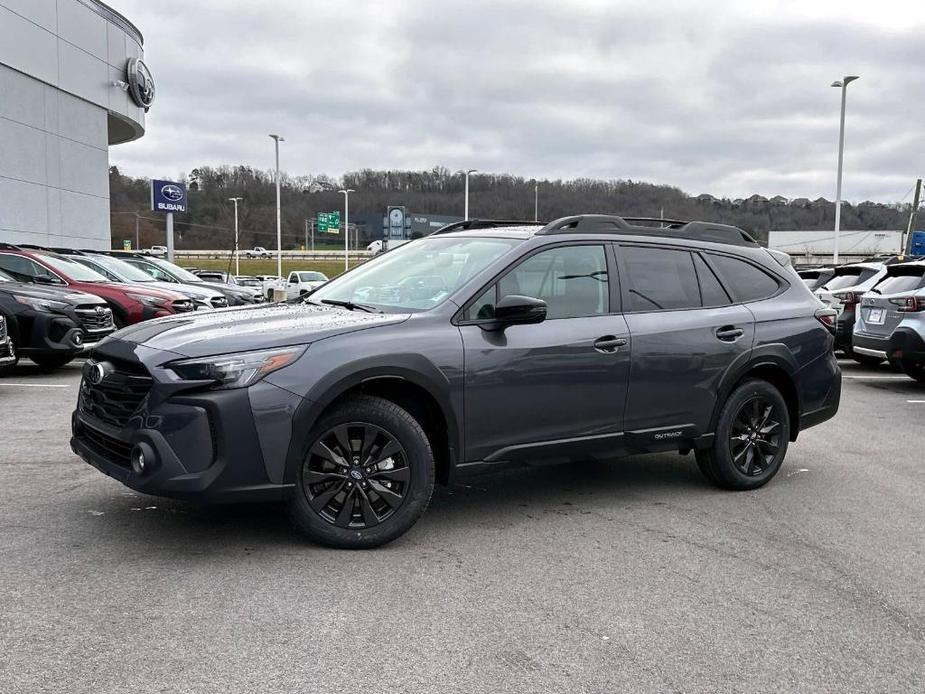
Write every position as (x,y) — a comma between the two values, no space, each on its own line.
(95,319)
(112,449)
(116,398)
(183,306)
(219,302)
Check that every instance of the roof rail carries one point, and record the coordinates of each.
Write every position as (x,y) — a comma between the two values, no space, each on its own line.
(612,224)
(34,247)
(9,246)
(483,224)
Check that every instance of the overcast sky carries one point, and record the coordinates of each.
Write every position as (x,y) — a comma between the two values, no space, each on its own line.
(729,98)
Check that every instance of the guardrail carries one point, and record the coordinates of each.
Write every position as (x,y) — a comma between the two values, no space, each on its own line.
(289,255)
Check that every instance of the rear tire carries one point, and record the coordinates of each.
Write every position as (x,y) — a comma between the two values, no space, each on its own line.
(751,438)
(366,477)
(865,360)
(914,370)
(50,362)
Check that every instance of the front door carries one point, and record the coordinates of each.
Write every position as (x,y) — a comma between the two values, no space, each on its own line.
(535,391)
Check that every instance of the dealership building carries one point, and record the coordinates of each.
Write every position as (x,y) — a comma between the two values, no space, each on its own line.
(72,83)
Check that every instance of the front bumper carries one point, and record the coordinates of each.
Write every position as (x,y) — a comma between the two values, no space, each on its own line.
(44,333)
(217,446)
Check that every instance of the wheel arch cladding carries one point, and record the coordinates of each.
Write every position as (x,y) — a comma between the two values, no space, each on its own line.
(410,391)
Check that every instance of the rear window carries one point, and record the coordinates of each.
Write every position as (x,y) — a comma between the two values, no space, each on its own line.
(906,281)
(744,280)
(849,277)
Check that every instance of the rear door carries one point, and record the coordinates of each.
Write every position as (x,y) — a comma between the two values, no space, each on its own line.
(686,332)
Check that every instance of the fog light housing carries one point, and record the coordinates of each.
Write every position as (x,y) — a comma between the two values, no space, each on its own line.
(142,458)
(78,339)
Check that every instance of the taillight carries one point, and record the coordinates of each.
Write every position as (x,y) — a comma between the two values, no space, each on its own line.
(912,305)
(827,317)
(850,298)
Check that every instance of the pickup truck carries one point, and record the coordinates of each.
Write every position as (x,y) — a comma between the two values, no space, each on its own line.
(258,252)
(303,282)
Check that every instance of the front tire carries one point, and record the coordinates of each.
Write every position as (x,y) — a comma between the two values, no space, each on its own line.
(751,438)
(11,367)
(366,476)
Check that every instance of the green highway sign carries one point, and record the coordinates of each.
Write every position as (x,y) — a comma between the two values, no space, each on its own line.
(327,222)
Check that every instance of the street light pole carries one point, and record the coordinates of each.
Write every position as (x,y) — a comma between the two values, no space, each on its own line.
(470,171)
(843,85)
(279,225)
(346,193)
(536,201)
(137,242)
(237,259)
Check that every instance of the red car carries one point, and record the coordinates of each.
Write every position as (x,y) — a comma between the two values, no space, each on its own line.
(130,303)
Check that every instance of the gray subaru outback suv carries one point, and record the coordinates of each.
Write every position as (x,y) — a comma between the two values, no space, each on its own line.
(590,337)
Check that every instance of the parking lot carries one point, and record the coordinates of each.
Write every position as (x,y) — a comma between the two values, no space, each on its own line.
(629,576)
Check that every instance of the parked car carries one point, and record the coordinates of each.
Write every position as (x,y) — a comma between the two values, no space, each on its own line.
(814,278)
(157,251)
(248,281)
(303,282)
(49,325)
(842,292)
(165,271)
(117,270)
(258,252)
(883,308)
(591,337)
(907,342)
(219,277)
(130,303)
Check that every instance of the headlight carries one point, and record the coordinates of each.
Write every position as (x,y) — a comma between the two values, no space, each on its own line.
(147,300)
(236,370)
(46,305)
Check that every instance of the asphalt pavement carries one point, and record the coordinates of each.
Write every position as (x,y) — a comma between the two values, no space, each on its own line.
(627,576)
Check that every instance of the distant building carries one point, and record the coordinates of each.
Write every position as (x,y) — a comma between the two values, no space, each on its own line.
(707,199)
(778,200)
(800,202)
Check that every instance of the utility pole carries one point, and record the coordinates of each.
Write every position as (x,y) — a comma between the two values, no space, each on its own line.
(910,228)
(843,85)
(536,201)
(237,257)
(137,242)
(279,233)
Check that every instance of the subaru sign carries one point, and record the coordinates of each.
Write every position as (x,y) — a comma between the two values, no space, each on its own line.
(167,196)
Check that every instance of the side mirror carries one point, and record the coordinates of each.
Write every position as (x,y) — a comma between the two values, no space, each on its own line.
(515,309)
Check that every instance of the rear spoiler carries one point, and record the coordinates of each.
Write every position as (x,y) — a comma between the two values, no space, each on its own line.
(782,258)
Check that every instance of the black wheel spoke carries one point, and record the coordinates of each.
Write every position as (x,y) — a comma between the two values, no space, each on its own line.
(390,450)
(317,477)
(321,500)
(366,508)
(391,498)
(400,474)
(769,428)
(322,450)
(342,435)
(345,515)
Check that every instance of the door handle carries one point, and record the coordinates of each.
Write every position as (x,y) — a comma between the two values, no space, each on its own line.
(608,344)
(729,333)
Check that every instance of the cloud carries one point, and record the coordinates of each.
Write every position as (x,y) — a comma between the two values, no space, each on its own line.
(727,98)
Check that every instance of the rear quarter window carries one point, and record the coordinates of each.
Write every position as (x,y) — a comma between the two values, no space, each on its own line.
(745,281)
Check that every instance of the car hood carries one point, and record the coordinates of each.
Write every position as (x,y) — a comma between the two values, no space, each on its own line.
(140,288)
(222,288)
(195,291)
(51,293)
(245,329)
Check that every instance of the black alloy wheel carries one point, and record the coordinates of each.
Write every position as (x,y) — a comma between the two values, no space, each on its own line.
(754,441)
(356,475)
(751,437)
(366,475)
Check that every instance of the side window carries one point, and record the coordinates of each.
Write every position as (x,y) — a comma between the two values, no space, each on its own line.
(572,280)
(659,279)
(293,278)
(26,270)
(745,281)
(100,269)
(711,291)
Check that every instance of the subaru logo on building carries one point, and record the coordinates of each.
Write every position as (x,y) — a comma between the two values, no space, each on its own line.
(172,192)
(140,83)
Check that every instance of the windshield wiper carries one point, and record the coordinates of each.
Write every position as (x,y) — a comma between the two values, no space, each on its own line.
(349,305)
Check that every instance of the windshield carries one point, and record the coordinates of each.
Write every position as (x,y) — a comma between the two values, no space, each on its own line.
(311,277)
(417,276)
(849,277)
(176,271)
(905,282)
(123,270)
(75,271)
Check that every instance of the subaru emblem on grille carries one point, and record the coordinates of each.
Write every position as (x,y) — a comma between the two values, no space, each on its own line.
(100,311)
(95,372)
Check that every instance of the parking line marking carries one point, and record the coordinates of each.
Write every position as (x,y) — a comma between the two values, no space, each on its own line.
(876,378)
(37,385)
